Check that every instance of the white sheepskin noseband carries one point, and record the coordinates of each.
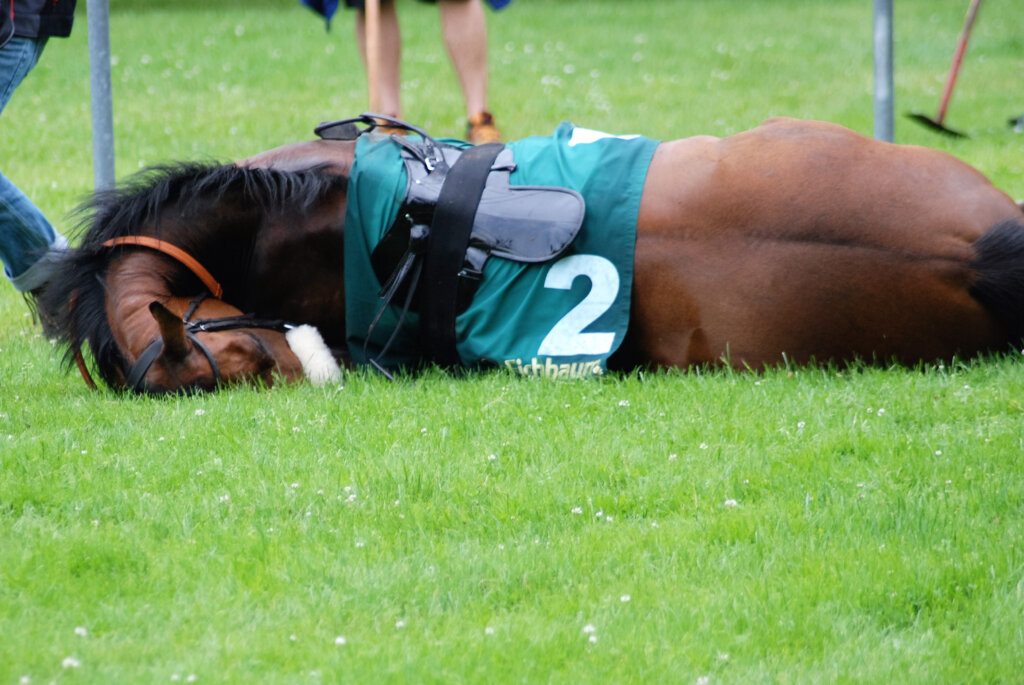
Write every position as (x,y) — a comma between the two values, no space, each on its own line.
(317,361)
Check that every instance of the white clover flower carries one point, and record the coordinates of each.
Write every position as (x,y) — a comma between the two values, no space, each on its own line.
(592,639)
(81,631)
(200,412)
(624,598)
(731,503)
(399,624)
(488,631)
(589,628)
(577,510)
(623,403)
(340,640)
(70,662)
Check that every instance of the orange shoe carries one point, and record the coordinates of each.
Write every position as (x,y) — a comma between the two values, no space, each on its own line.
(384,129)
(481,129)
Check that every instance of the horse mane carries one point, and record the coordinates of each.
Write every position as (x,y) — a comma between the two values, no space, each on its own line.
(74,299)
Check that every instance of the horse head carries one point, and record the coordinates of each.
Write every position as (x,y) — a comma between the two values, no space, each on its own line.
(140,294)
(169,343)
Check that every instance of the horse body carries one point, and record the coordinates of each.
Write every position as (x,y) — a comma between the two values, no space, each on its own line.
(807,240)
(793,241)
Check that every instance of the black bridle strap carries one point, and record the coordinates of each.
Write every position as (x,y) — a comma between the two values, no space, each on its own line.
(149,355)
(141,367)
(138,371)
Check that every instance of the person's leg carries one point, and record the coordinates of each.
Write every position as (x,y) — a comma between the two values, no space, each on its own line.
(389,78)
(464,29)
(25,233)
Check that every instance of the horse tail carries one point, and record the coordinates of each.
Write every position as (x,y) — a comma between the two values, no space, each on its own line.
(999,282)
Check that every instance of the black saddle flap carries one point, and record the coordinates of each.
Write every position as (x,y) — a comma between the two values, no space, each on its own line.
(526,223)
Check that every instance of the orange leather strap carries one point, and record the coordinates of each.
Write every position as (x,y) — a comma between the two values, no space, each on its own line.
(177,253)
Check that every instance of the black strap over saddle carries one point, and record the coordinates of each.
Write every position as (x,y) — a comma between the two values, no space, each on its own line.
(459,210)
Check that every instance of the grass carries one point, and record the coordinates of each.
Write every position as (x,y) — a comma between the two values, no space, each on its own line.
(800,525)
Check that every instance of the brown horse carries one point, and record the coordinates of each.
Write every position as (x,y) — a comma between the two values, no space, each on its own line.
(796,241)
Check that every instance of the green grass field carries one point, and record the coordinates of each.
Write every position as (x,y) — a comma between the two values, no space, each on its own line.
(800,525)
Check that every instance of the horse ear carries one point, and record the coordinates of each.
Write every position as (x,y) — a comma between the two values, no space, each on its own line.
(172,330)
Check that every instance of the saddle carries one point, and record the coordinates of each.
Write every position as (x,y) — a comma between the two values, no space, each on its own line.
(459,210)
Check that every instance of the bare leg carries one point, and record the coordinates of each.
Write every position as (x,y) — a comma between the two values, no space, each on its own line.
(464,29)
(390,56)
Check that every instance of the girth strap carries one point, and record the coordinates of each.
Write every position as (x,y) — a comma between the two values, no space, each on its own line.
(446,250)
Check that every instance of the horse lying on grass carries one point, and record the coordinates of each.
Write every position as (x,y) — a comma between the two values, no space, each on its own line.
(563,256)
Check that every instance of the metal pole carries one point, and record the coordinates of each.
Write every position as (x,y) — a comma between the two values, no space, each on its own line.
(98,14)
(884,105)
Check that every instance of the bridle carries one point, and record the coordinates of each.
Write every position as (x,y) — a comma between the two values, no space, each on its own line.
(137,373)
(135,378)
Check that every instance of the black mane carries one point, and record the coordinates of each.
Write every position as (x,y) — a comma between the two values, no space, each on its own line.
(194,187)
(169,202)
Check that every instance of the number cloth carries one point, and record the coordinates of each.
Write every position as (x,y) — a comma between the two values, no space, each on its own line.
(561,318)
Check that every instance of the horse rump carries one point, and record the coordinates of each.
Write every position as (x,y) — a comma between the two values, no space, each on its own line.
(999,281)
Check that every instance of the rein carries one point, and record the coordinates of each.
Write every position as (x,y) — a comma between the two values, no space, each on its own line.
(137,373)
(187,260)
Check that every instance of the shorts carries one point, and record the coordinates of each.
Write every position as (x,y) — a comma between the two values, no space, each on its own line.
(358,4)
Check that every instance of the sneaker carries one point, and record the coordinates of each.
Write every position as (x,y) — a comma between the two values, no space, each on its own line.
(481,129)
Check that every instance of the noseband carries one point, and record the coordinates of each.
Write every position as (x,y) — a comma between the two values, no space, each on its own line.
(135,379)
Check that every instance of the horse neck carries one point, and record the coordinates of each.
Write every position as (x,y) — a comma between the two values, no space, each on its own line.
(297,259)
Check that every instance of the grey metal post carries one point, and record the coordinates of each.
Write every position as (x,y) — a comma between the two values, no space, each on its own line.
(884,105)
(98,14)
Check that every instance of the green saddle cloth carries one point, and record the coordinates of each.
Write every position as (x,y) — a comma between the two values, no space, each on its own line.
(561,318)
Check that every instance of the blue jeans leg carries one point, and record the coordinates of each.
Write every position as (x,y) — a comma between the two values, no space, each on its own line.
(29,245)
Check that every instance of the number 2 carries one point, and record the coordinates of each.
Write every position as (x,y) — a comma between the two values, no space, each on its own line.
(567,337)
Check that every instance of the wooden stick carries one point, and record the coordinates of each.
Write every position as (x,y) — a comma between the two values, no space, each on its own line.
(372,9)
